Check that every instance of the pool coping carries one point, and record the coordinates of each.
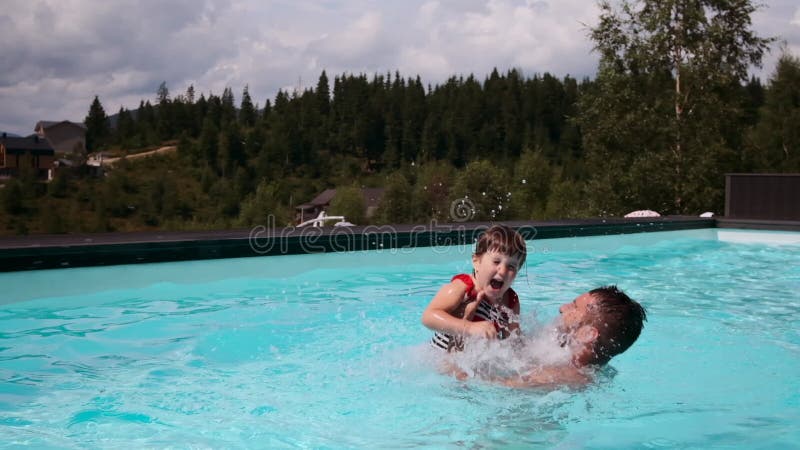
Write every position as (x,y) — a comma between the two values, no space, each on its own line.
(21,253)
(758,224)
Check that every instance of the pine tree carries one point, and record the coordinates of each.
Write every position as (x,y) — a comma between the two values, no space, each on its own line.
(126,127)
(97,125)
(323,93)
(227,107)
(247,112)
(165,123)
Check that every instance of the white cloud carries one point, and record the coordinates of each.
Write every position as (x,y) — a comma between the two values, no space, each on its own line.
(57,54)
(536,36)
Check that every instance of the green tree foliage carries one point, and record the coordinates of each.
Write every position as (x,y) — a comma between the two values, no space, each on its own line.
(349,202)
(654,124)
(224,197)
(227,112)
(670,111)
(485,187)
(161,201)
(434,182)
(165,120)
(97,126)
(397,204)
(262,203)
(59,185)
(565,201)
(323,95)
(53,221)
(11,197)
(247,111)
(530,185)
(126,128)
(230,150)
(775,141)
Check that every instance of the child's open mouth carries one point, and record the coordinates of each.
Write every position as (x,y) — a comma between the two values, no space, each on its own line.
(496,284)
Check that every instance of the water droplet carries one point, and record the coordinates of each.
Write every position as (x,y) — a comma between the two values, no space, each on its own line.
(500,207)
(483,193)
(524,181)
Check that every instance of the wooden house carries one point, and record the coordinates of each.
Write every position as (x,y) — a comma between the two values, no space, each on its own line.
(65,137)
(17,153)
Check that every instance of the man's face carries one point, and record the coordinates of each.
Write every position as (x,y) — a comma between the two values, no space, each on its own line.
(573,314)
(575,331)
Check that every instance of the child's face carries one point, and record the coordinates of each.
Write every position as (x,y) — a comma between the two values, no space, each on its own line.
(494,272)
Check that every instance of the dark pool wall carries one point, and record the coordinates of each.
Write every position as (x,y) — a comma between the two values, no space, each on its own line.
(63,251)
(762,196)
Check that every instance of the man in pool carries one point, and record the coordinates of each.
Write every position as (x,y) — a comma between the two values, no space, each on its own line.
(595,327)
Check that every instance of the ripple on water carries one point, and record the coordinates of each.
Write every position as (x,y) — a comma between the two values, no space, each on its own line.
(333,357)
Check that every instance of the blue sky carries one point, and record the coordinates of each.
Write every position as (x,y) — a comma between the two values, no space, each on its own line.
(56,55)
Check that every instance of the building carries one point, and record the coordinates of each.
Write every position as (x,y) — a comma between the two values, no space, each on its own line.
(310,210)
(65,137)
(16,153)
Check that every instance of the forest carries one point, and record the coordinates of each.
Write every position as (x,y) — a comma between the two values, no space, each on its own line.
(670,111)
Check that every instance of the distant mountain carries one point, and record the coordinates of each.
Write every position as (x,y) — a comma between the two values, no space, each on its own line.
(114,118)
(9,134)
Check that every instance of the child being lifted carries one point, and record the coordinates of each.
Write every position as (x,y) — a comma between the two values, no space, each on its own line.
(482,304)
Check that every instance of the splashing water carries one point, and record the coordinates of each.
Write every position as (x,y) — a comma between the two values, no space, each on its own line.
(293,351)
(539,346)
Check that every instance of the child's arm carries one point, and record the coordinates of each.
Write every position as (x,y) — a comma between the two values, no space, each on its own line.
(438,316)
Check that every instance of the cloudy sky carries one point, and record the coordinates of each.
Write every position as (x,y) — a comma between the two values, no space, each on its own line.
(56,55)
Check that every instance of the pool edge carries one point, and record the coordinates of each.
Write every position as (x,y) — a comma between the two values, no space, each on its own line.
(69,251)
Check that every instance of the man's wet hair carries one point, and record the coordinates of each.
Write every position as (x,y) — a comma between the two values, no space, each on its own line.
(618,319)
(503,239)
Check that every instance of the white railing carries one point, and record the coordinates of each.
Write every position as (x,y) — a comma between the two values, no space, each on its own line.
(319,221)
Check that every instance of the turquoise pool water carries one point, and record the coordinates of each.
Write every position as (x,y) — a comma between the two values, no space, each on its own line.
(326,351)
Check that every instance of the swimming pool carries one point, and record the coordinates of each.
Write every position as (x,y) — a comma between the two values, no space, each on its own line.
(327,351)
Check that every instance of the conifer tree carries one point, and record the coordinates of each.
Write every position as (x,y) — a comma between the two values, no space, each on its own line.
(97,126)
(247,112)
(166,119)
(227,107)
(323,92)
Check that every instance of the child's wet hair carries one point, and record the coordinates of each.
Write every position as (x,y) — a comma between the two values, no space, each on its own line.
(503,239)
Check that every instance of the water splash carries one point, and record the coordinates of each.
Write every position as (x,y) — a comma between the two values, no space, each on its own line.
(539,347)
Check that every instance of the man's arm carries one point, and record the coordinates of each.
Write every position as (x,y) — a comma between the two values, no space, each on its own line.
(548,376)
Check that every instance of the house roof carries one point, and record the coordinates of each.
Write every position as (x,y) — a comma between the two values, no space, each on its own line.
(324,198)
(372,197)
(32,143)
(44,124)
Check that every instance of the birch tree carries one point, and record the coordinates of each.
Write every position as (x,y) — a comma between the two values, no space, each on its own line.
(655,126)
